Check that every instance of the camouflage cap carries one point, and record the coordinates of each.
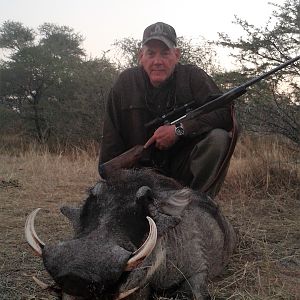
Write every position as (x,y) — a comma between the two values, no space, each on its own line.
(162,32)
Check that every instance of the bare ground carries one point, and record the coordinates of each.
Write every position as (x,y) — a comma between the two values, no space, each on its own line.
(261,196)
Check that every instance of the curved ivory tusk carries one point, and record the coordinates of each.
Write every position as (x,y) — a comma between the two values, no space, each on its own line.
(126,294)
(47,287)
(40,283)
(145,250)
(31,237)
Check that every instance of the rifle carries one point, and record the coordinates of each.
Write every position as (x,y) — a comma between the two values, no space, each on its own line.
(129,158)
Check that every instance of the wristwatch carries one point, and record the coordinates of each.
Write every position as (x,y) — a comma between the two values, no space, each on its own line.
(179,130)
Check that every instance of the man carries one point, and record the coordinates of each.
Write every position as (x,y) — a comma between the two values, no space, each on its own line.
(195,152)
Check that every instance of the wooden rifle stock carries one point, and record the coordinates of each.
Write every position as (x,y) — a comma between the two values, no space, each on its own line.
(123,161)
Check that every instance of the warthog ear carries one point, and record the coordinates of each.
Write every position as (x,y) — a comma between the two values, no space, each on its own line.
(170,205)
(73,214)
(175,202)
(144,197)
(144,194)
(166,209)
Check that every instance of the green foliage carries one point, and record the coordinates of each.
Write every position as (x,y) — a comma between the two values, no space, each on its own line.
(61,41)
(271,107)
(200,53)
(277,41)
(51,91)
(56,92)
(14,36)
(78,114)
(10,122)
(127,52)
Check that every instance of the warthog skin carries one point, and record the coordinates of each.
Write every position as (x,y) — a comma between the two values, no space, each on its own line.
(194,240)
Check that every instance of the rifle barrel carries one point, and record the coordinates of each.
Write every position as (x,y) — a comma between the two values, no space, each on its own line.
(263,76)
(184,111)
(235,92)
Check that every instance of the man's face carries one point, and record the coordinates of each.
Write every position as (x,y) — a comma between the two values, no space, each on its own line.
(158,61)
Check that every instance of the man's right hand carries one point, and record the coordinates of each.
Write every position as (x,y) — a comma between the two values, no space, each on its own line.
(164,137)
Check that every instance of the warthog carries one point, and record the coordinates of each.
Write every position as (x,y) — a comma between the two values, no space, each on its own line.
(139,234)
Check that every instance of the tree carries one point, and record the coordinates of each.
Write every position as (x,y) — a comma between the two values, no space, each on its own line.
(127,52)
(199,52)
(14,36)
(273,106)
(35,69)
(78,116)
(48,82)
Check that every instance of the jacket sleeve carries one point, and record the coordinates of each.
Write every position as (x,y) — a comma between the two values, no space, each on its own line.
(202,87)
(111,143)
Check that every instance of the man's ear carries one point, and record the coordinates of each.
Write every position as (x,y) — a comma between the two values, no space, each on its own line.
(140,56)
(177,53)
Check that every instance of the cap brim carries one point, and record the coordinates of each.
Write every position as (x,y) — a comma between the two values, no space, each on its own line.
(166,41)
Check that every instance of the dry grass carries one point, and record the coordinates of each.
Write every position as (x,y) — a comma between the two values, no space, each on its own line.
(27,181)
(260,196)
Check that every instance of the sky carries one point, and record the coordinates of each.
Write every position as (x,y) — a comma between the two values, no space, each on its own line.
(101,22)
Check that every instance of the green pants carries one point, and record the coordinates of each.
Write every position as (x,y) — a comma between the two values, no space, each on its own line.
(201,163)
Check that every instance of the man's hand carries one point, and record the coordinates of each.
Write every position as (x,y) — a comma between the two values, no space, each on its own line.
(164,137)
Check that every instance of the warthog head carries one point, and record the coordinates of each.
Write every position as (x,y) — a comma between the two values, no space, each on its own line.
(115,230)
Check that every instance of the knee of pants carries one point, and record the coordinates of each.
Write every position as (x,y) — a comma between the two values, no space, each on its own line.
(218,139)
(213,146)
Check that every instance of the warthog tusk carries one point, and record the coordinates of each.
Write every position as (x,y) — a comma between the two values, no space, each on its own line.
(41,284)
(126,294)
(31,237)
(47,287)
(145,250)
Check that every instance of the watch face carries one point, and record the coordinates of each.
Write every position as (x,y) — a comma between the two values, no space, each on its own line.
(179,130)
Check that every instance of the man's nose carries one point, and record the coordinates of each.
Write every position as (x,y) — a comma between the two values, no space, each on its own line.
(158,60)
